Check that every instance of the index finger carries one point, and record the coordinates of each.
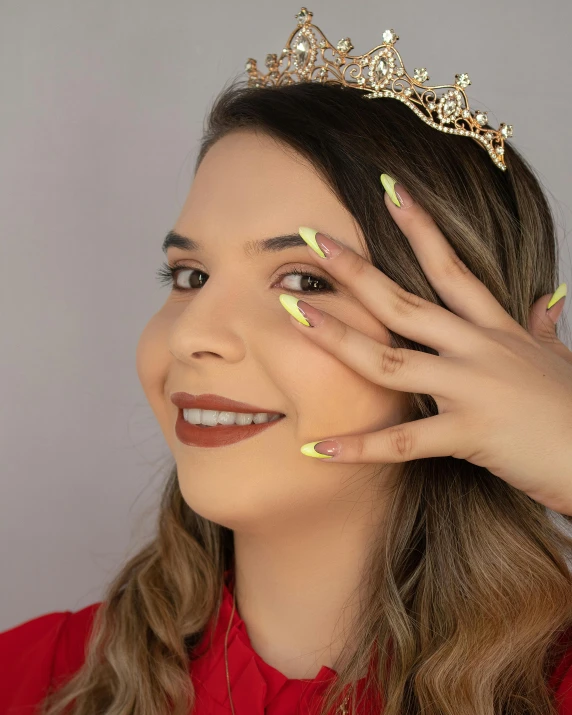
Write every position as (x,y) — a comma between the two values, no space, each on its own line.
(405,313)
(458,287)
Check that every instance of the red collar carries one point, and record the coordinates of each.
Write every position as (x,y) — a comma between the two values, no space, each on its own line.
(256,686)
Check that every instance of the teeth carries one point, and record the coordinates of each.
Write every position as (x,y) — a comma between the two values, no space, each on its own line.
(214,417)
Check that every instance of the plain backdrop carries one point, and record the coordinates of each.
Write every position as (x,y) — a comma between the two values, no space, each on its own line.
(101,109)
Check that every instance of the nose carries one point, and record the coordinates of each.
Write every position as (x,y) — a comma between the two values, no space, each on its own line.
(211,326)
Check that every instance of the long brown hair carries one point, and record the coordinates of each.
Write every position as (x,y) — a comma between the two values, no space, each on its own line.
(468,587)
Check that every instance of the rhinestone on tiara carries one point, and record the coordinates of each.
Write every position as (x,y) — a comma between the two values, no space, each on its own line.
(386,77)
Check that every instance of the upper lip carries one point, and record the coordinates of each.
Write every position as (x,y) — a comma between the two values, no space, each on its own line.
(215,402)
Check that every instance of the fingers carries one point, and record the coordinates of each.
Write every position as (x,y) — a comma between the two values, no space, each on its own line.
(437,436)
(459,289)
(395,368)
(542,324)
(405,313)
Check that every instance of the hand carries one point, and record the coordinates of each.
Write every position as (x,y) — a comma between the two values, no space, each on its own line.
(504,394)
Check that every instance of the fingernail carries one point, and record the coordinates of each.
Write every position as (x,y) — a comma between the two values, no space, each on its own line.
(302,311)
(324,450)
(324,246)
(397,192)
(559,293)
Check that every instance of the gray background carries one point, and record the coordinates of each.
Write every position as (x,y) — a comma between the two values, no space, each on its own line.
(101,108)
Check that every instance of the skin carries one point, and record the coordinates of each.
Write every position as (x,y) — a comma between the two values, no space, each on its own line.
(301,528)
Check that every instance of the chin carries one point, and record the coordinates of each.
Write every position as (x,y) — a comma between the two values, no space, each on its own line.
(225,500)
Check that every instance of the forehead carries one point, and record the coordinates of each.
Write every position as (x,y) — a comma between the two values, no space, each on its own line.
(250,186)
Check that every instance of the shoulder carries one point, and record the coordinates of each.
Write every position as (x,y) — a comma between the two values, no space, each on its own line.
(41,652)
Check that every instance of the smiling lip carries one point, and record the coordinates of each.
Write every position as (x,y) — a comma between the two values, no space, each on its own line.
(184,400)
(218,436)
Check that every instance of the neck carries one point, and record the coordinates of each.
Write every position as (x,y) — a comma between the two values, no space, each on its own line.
(297,587)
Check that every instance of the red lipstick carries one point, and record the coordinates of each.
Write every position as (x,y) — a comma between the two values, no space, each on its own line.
(187,401)
(219,435)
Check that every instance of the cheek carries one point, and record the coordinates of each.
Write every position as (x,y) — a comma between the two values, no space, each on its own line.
(330,397)
(153,359)
(334,399)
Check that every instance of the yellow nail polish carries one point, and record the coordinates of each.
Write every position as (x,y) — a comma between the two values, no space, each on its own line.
(560,292)
(309,235)
(308,450)
(291,304)
(388,184)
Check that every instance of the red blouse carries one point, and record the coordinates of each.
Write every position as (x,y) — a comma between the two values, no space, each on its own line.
(50,648)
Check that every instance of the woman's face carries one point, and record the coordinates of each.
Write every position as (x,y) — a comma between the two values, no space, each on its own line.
(231,336)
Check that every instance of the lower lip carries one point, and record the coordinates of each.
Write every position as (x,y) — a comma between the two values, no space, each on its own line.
(219,436)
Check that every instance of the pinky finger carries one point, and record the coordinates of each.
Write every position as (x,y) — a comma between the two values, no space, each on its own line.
(436,436)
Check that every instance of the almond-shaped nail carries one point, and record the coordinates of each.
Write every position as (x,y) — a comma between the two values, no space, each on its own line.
(323,245)
(397,192)
(330,448)
(302,311)
(559,293)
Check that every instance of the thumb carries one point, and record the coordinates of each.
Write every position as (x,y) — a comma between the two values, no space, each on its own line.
(542,322)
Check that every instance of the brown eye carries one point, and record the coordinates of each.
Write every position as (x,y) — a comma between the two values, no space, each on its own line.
(307,280)
(167,275)
(304,282)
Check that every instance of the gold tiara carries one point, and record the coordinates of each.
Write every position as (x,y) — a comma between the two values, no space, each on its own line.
(386,77)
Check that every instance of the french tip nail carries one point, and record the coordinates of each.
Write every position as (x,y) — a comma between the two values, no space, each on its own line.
(558,294)
(388,183)
(309,451)
(290,303)
(309,235)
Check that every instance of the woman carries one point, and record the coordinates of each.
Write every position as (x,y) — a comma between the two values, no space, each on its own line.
(417,571)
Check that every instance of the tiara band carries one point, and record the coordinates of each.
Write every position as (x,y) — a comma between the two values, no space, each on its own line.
(449,112)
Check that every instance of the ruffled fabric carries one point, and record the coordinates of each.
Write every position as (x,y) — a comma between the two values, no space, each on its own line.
(45,651)
(41,653)
(257,688)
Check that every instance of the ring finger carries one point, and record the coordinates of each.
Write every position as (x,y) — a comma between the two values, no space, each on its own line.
(396,368)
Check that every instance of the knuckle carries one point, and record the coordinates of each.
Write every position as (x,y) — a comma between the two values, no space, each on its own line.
(406,303)
(356,263)
(453,267)
(391,360)
(341,332)
(425,221)
(358,446)
(401,441)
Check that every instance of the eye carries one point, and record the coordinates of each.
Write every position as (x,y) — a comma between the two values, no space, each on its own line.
(168,275)
(305,279)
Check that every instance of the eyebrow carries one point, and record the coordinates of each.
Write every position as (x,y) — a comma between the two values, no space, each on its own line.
(251,248)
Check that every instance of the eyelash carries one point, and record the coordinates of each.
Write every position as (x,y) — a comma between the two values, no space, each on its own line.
(166,275)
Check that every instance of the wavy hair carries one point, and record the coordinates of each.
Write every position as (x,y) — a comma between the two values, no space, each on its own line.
(468,588)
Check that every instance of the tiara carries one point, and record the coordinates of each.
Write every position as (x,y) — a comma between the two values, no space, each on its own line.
(449,112)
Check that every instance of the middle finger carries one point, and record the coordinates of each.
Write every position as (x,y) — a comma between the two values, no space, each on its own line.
(396,368)
(405,313)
